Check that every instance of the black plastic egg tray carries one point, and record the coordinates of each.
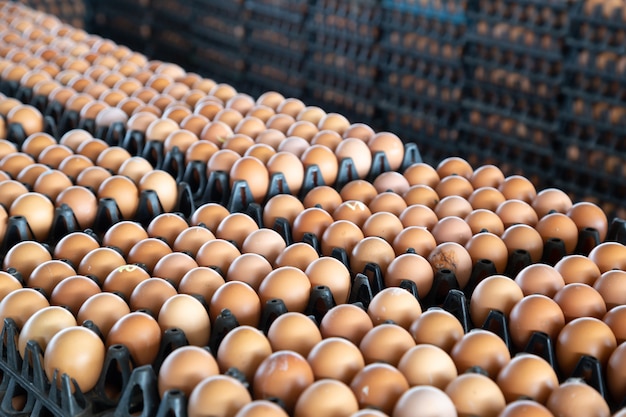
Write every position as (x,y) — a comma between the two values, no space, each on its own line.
(124,27)
(345,19)
(178,11)
(220,22)
(74,12)
(212,60)
(436,18)
(598,78)
(596,31)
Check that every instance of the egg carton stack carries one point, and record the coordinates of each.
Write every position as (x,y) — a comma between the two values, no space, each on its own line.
(170,38)
(342,63)
(277,46)
(218,31)
(128,22)
(422,72)
(514,73)
(593,118)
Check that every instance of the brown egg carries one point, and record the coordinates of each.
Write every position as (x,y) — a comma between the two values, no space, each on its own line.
(496,292)
(209,214)
(341,234)
(289,284)
(484,220)
(104,309)
(255,174)
(454,166)
(82,202)
(551,199)
(250,127)
(609,255)
(421,174)
(21,304)
(476,394)
(347,321)
(311,220)
(527,376)
(242,301)
(8,284)
(480,348)
(124,279)
(615,373)
(589,215)
(391,181)
(327,138)
(100,262)
(389,144)
(324,197)
(454,185)
(124,191)
(488,246)
(453,205)
(28,117)
(614,318)
(514,211)
(379,386)
(243,348)
(352,210)
(25,256)
(611,288)
(43,325)
(524,237)
(72,292)
(92,148)
(10,190)
(488,198)
(250,268)
(382,224)
(395,304)
(371,250)
(330,272)
(292,144)
(74,247)
(386,343)
(124,235)
(295,332)
(358,190)
(185,368)
(48,274)
(426,364)
(451,229)
(421,194)
(359,152)
(77,352)
(73,165)
(50,183)
(573,398)
(417,238)
(38,211)
(164,185)
(388,201)
(150,294)
(487,176)
(559,226)
(283,374)
(454,257)
(36,143)
(29,174)
(261,408)
(335,358)
(326,397)
(222,395)
(230,117)
(176,312)
(202,281)
(535,313)
(516,187)
(540,279)
(218,253)
(580,300)
(236,227)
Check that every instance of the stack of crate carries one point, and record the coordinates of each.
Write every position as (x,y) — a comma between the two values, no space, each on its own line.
(218,32)
(514,74)
(593,119)
(422,74)
(277,45)
(126,22)
(170,38)
(344,52)
(73,12)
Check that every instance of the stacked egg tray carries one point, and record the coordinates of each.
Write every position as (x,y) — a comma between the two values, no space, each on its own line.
(76,13)
(344,52)
(277,41)
(422,72)
(514,57)
(462,251)
(170,38)
(593,125)
(127,22)
(218,29)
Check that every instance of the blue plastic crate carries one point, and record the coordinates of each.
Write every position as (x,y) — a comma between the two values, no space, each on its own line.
(452,11)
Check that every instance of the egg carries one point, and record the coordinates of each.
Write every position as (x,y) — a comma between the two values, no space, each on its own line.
(284,375)
(125,193)
(484,220)
(496,292)
(209,214)
(540,279)
(236,227)
(480,348)
(419,215)
(10,190)
(426,364)
(476,394)
(395,304)
(609,255)
(513,211)
(290,166)
(164,185)
(558,226)
(551,199)
(185,368)
(173,267)
(295,332)
(352,210)
(21,304)
(43,325)
(243,348)
(326,397)
(379,386)
(577,269)
(488,198)
(265,242)
(103,309)
(124,235)
(417,238)
(191,238)
(520,408)
(347,321)
(261,408)
(330,272)
(74,246)
(372,249)
(386,343)
(487,176)
(219,395)
(454,257)
(335,358)
(358,190)
(100,262)
(421,194)
(573,397)
(38,211)
(488,246)
(77,352)
(48,274)
(325,159)
(288,283)
(72,292)
(175,313)
(424,401)
(249,268)
(523,237)
(359,153)
(535,313)
(242,301)
(391,146)
(218,253)
(341,234)
(517,187)
(589,215)
(140,333)
(580,300)
(324,197)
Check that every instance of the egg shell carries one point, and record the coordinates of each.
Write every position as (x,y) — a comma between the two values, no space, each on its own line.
(243,348)
(354,211)
(176,312)
(423,401)
(283,374)
(589,215)
(140,333)
(453,205)
(609,255)
(48,274)
(43,325)
(341,234)
(295,332)
(209,214)
(539,279)
(419,215)
(527,376)
(395,304)
(103,309)
(574,397)
(325,159)
(454,257)
(421,194)
(387,343)
(417,238)
(324,197)
(496,292)
(219,395)
(488,198)
(480,348)
(382,224)
(21,304)
(218,253)
(249,268)
(173,267)
(372,249)
(580,300)
(185,368)
(437,327)
(426,364)
(8,284)
(242,301)
(488,246)
(359,190)
(77,352)
(348,321)
(336,358)
(522,236)
(379,386)
(72,292)
(577,268)
(288,283)
(476,394)
(513,211)
(326,397)
(38,211)
(74,246)
(265,242)
(521,408)
(236,227)
(125,193)
(535,312)
(311,220)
